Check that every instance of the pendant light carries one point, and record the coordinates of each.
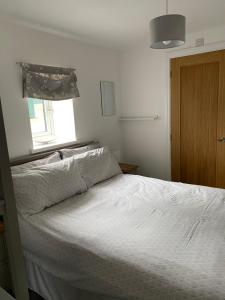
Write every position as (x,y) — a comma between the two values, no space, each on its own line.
(167,31)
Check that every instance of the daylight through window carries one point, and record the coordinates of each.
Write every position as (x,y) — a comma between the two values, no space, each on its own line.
(52,122)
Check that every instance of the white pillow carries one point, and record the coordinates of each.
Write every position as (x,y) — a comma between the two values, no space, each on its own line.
(71,152)
(97,165)
(44,186)
(40,162)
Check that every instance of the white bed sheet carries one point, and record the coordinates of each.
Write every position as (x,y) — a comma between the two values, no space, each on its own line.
(134,237)
(50,287)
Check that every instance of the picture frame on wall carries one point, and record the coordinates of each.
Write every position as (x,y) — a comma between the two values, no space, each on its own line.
(108,103)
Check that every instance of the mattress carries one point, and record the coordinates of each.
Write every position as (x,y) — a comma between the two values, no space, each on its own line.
(136,238)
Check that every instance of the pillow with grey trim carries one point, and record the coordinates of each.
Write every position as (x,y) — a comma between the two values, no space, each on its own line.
(40,162)
(71,152)
(97,165)
(47,185)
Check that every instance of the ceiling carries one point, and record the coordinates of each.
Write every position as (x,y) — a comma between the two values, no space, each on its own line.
(112,23)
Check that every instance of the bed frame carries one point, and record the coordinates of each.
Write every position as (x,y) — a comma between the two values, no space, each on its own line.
(31,157)
(40,155)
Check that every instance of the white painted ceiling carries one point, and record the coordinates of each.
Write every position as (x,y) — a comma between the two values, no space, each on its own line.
(112,23)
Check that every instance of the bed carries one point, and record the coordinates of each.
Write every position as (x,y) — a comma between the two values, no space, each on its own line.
(129,237)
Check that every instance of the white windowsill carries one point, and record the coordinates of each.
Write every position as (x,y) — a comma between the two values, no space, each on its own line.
(52,146)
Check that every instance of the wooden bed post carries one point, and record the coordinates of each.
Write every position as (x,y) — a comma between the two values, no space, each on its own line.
(16,260)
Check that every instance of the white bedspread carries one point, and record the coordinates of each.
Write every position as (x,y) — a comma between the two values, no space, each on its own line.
(135,237)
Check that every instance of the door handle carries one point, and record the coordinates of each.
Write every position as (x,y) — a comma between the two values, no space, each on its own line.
(221,139)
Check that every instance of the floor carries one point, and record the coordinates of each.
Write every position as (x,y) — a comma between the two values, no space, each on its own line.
(34,296)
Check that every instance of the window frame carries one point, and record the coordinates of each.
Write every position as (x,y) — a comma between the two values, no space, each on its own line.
(48,119)
(48,113)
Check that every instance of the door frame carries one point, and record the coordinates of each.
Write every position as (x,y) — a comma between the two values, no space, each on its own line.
(210,47)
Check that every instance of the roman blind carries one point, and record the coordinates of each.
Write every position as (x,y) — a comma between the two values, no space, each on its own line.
(49,83)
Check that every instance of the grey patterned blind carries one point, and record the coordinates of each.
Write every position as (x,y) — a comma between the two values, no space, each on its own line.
(49,83)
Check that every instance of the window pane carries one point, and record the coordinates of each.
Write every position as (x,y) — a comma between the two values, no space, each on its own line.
(52,122)
(37,116)
(64,120)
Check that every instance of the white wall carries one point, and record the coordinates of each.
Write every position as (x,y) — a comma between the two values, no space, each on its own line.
(92,63)
(141,72)
(145,91)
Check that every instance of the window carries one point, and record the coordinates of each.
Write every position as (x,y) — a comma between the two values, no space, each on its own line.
(52,122)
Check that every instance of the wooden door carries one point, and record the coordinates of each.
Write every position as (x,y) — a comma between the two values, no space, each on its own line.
(198,119)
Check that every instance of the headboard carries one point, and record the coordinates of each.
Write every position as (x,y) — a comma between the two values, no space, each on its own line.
(43,154)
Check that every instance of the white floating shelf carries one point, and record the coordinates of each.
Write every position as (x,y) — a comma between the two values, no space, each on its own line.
(150,118)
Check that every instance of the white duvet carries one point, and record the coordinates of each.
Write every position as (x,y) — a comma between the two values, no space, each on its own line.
(135,238)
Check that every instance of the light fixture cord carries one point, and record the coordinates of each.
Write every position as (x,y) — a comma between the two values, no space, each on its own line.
(167,7)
